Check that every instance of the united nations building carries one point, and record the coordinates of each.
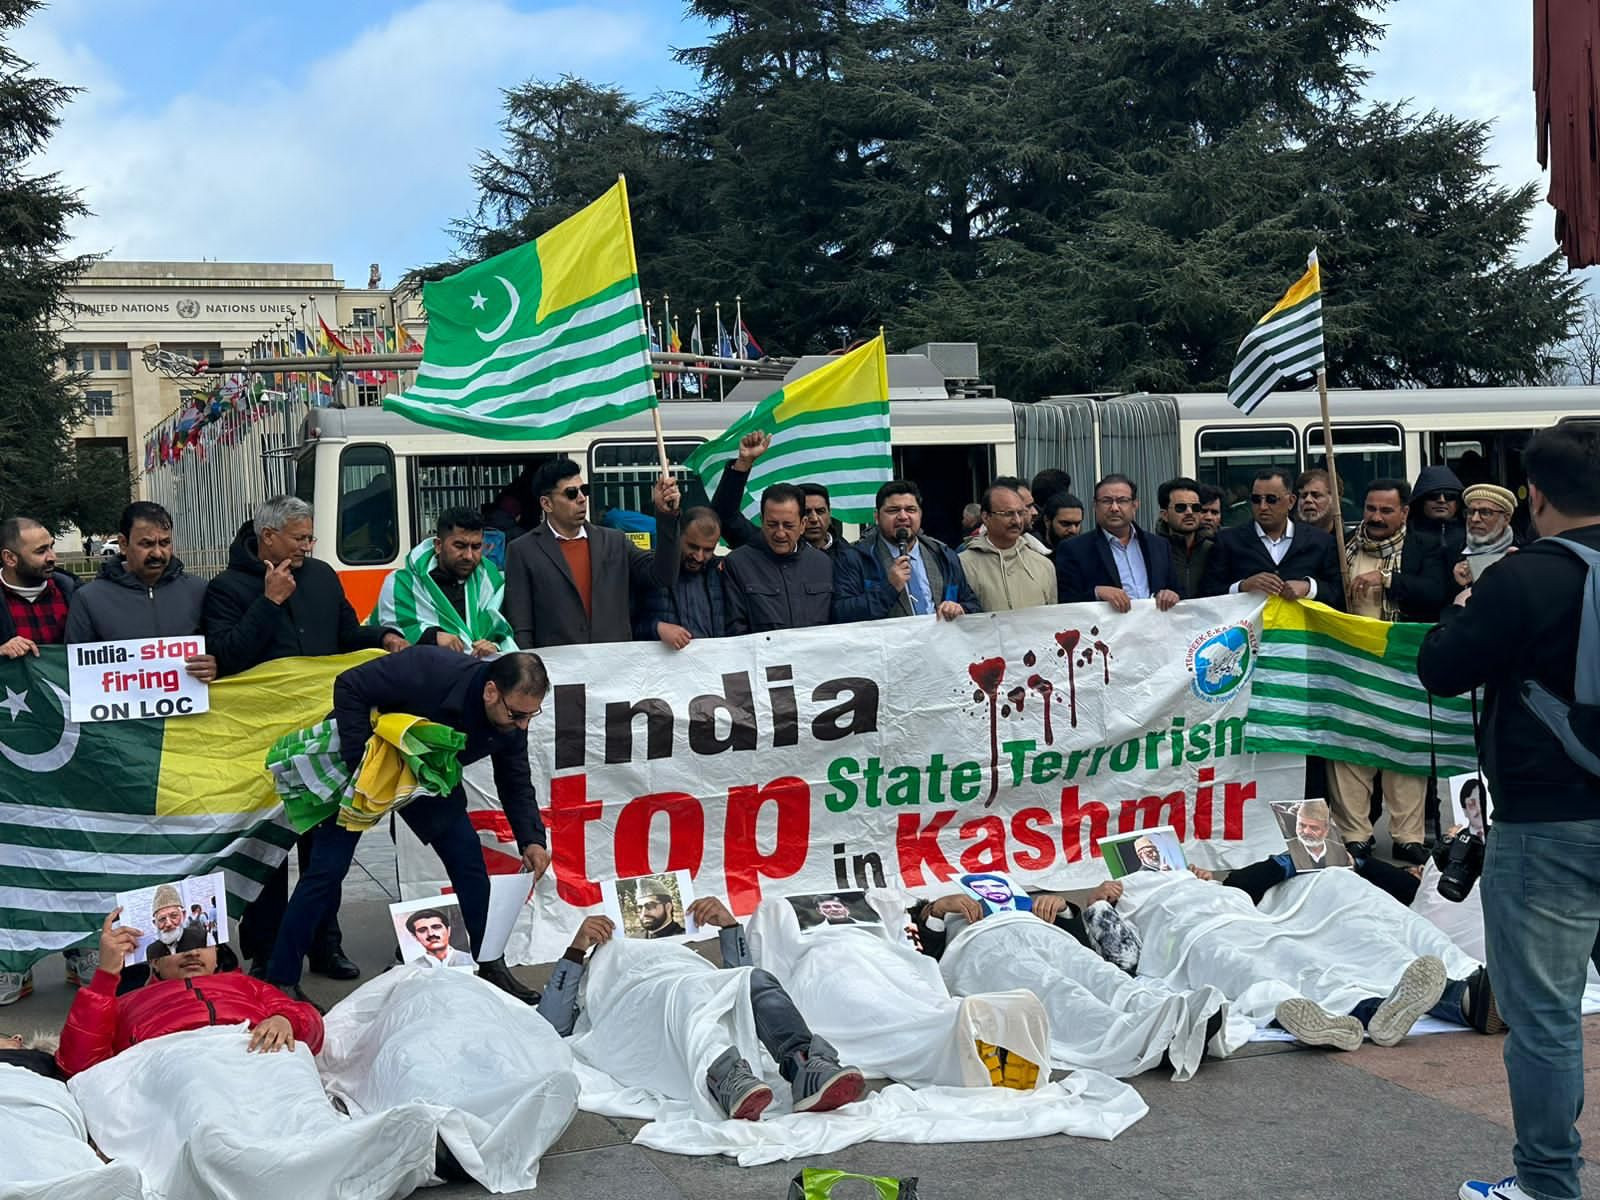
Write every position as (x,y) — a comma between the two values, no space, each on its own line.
(208,311)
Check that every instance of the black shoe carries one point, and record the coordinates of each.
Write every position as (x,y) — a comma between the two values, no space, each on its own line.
(299,994)
(334,965)
(500,975)
(1361,849)
(1412,852)
(1478,1005)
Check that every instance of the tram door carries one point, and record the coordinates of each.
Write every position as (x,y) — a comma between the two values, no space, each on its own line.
(1486,456)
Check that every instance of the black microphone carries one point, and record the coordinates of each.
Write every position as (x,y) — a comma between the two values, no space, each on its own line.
(903,541)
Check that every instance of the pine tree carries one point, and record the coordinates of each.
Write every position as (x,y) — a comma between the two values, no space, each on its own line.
(40,405)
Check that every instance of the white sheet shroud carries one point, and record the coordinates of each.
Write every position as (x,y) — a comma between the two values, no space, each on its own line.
(1328,935)
(884,1006)
(46,1145)
(203,1119)
(655,1016)
(501,1074)
(1100,1017)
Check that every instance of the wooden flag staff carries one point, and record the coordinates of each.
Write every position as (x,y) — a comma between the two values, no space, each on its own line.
(1333,482)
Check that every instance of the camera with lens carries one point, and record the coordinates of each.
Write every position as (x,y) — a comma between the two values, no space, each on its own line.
(1460,862)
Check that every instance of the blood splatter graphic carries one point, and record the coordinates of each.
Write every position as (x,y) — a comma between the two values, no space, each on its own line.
(1047,690)
(977,697)
(1029,659)
(987,674)
(1017,695)
(1067,639)
(1105,658)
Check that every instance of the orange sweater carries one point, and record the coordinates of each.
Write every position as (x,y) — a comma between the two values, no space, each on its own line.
(576,552)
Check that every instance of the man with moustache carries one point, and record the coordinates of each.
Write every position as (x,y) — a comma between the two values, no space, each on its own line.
(655,913)
(1315,500)
(34,596)
(1310,849)
(431,929)
(1273,555)
(1490,537)
(1118,562)
(694,604)
(446,593)
(1180,525)
(173,934)
(1062,517)
(896,570)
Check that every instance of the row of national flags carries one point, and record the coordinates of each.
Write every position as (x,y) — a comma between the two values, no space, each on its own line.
(553,337)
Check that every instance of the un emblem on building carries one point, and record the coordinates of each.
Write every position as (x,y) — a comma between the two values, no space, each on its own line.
(189,308)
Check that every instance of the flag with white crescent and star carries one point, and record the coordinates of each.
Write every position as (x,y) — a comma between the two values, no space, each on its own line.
(90,810)
(540,341)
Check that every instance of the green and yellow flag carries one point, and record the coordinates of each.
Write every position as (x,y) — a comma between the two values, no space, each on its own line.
(90,810)
(540,341)
(1332,685)
(829,427)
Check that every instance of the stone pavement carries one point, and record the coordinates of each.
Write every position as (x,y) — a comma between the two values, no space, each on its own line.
(1275,1121)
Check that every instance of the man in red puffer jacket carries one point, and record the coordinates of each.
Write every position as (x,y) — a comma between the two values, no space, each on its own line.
(186,991)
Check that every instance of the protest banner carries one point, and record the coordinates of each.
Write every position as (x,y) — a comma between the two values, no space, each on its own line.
(902,752)
(135,680)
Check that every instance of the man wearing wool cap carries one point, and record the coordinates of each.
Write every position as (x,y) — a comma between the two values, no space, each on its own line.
(173,935)
(1489,509)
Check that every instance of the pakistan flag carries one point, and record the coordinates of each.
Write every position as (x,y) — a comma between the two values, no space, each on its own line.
(92,809)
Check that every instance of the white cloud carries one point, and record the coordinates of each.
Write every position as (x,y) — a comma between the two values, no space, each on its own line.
(364,158)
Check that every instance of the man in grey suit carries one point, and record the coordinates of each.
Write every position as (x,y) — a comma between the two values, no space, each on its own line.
(569,582)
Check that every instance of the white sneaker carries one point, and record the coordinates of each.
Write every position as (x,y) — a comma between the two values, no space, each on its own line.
(1418,990)
(1506,1189)
(15,986)
(1313,1025)
(81,965)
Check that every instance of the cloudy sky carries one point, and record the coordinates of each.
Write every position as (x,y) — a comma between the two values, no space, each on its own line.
(250,133)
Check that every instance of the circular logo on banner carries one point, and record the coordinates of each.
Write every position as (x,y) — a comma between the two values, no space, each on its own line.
(1220,660)
(189,309)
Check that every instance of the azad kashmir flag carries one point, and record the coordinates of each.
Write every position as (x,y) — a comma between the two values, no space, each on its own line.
(88,810)
(540,341)
(1285,343)
(829,427)
(1337,686)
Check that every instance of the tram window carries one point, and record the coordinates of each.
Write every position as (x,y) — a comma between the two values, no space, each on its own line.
(622,474)
(305,475)
(1229,459)
(369,526)
(1362,453)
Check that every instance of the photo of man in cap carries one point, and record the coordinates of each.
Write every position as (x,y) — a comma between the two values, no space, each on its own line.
(173,934)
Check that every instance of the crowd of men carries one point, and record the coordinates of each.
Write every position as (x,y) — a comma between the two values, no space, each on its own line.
(572,581)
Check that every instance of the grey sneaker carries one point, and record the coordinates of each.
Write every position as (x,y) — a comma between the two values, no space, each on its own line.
(821,1084)
(1419,989)
(81,965)
(736,1088)
(1313,1025)
(15,985)
(1117,941)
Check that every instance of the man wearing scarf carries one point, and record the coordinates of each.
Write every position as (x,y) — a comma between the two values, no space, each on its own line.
(1489,534)
(1396,574)
(446,594)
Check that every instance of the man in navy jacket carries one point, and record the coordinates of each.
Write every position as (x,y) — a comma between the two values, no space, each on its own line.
(1116,562)
(491,703)
(1273,554)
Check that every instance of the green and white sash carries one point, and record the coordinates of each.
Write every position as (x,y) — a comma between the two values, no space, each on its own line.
(412,602)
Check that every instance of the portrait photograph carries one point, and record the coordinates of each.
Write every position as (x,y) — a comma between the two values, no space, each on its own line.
(1155,849)
(996,892)
(186,914)
(820,910)
(1309,835)
(431,931)
(650,907)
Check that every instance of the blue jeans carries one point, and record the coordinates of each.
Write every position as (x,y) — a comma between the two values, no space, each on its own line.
(1541,917)
(441,823)
(1448,1008)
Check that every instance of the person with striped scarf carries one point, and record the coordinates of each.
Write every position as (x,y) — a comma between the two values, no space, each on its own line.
(447,594)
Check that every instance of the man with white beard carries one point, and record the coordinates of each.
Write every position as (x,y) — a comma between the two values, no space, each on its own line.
(1100,1017)
(1309,848)
(1489,510)
(173,934)
(713,1021)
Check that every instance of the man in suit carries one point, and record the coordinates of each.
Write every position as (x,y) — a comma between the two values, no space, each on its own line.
(1116,562)
(569,582)
(1272,554)
(897,570)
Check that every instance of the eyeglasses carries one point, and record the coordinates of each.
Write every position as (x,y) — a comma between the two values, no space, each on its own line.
(1176,506)
(517,714)
(1008,513)
(572,493)
(1486,513)
(1451,497)
(1114,501)
(1258,499)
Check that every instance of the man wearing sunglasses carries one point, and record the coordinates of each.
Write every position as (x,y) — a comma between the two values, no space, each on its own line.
(569,582)
(1273,555)
(1436,509)
(1180,525)
(492,704)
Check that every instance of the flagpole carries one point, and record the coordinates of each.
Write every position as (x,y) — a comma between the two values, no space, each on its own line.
(720,394)
(738,326)
(1333,481)
(699,343)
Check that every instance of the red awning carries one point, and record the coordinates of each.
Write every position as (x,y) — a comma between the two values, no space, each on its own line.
(1566,36)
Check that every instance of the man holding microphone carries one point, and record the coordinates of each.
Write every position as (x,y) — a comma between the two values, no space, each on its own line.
(1515,633)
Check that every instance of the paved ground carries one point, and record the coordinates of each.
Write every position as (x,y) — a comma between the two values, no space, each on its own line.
(1276,1121)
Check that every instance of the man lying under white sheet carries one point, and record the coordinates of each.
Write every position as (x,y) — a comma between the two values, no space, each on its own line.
(868,991)
(705,1028)
(1100,1017)
(500,1075)
(1325,955)
(47,1151)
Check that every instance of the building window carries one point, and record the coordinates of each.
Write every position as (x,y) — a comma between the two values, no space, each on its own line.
(369,395)
(364,318)
(100,403)
(122,358)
